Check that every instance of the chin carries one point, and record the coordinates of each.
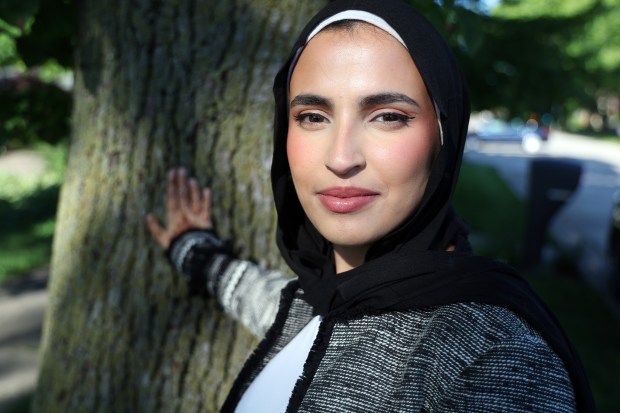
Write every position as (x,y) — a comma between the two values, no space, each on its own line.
(351,241)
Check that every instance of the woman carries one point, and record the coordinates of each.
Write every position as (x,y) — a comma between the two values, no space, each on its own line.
(391,311)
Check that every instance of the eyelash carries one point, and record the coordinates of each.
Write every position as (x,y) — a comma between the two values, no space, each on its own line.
(396,117)
(304,117)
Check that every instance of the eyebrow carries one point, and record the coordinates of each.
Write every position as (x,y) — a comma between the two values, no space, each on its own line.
(308,99)
(311,100)
(387,98)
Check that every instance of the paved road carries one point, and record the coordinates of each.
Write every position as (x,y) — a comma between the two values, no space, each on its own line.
(22,307)
(583,223)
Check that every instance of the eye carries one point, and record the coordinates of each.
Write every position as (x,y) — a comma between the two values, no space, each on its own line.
(310,120)
(393,118)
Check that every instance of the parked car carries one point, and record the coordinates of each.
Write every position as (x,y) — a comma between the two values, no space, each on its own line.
(614,244)
(528,135)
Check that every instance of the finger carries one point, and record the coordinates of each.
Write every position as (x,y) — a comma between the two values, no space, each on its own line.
(172,198)
(206,204)
(183,194)
(194,195)
(157,231)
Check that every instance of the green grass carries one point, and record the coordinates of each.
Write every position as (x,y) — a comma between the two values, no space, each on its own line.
(496,217)
(592,329)
(494,213)
(28,209)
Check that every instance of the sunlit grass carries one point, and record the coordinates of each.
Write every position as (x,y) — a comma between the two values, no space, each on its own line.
(28,209)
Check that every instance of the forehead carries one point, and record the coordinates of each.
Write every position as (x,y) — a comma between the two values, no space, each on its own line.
(355,55)
(356,32)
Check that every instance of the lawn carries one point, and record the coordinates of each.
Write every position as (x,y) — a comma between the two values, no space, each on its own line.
(28,209)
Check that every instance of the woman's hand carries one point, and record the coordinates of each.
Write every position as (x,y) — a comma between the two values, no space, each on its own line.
(187,207)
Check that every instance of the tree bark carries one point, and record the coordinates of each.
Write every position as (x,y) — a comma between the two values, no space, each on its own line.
(159,84)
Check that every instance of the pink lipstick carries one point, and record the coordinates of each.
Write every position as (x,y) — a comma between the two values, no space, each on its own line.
(348,199)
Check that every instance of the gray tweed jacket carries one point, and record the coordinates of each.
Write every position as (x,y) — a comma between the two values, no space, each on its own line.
(464,357)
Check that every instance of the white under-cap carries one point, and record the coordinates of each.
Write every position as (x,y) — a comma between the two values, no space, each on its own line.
(357,15)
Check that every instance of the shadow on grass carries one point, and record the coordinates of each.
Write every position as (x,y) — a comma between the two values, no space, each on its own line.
(20,404)
(591,327)
(26,231)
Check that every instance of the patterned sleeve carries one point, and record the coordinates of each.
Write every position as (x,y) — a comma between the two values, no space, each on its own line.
(246,292)
(513,376)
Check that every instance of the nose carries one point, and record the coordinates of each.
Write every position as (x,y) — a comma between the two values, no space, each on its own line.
(345,156)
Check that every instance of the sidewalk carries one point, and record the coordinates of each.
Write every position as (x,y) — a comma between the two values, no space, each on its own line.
(22,308)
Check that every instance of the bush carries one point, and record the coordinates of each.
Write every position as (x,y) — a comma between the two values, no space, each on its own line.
(32,111)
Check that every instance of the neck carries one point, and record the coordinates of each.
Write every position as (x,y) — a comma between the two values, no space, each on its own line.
(346,258)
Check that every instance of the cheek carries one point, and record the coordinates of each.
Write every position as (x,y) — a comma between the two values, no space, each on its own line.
(406,161)
(302,155)
(294,151)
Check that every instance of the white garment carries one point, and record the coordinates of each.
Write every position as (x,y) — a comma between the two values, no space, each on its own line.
(271,390)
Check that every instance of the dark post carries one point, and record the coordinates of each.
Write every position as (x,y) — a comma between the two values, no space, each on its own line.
(614,246)
(551,184)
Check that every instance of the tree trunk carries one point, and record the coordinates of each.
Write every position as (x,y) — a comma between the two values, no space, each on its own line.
(159,84)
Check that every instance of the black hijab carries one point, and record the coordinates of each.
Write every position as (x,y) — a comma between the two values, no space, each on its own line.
(409,267)
(434,226)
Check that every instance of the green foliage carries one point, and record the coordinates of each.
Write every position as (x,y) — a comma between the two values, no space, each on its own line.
(32,111)
(599,47)
(51,35)
(523,9)
(530,56)
(8,50)
(41,29)
(458,21)
(34,34)
(583,39)
(16,12)
(526,56)
(525,68)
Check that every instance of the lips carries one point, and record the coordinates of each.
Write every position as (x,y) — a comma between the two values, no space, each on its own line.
(344,200)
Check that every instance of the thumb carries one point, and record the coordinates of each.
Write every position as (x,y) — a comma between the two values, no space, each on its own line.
(157,230)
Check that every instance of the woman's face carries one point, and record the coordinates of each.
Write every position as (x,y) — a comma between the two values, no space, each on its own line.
(362,136)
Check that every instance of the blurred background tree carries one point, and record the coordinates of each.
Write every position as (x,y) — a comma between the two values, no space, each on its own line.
(525,56)
(568,51)
(520,57)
